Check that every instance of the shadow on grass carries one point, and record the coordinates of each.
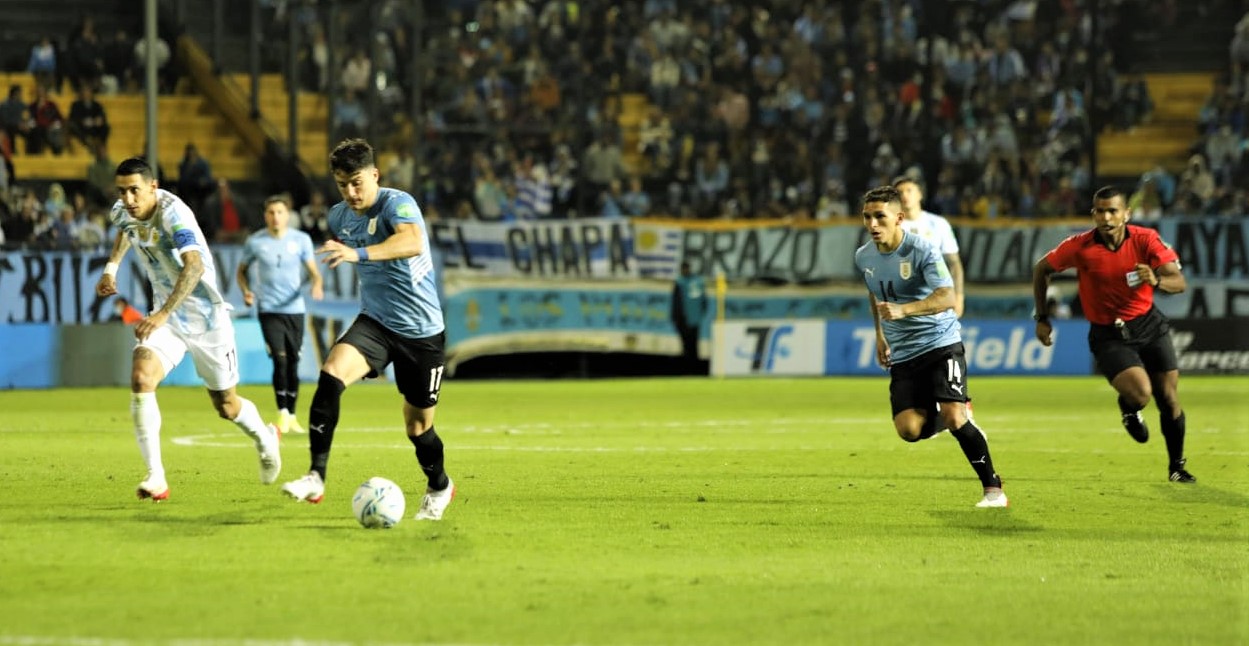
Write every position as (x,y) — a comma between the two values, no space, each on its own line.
(986,521)
(1184,493)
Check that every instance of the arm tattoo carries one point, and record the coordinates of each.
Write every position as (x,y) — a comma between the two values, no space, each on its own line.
(188,278)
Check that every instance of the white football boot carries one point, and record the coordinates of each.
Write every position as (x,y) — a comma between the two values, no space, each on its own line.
(153,487)
(270,456)
(994,498)
(435,502)
(309,488)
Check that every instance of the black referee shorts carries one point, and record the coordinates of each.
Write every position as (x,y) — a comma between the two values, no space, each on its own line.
(1144,341)
(418,362)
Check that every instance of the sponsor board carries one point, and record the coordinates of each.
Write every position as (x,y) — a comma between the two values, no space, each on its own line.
(768,347)
(779,347)
(1211,346)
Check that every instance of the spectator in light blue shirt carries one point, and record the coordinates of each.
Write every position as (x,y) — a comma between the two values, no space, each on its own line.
(42,63)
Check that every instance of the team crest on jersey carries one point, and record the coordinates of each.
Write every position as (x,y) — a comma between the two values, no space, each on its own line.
(291,247)
(904,270)
(373,226)
(145,235)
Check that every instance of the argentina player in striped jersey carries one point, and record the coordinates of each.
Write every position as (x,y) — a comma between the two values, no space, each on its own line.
(191,316)
(918,336)
(381,231)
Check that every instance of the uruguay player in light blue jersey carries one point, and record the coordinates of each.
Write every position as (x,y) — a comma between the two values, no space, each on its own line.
(282,256)
(190,316)
(382,231)
(917,336)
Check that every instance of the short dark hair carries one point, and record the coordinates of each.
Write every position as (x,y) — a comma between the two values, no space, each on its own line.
(1109,192)
(280,197)
(886,194)
(906,179)
(351,156)
(135,166)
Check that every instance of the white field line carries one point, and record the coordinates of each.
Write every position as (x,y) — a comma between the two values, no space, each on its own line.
(35,640)
(233,441)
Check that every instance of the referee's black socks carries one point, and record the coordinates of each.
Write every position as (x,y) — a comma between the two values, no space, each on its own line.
(972,440)
(1126,408)
(1173,429)
(323,419)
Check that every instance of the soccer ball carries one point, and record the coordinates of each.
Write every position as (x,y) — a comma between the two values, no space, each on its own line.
(378,504)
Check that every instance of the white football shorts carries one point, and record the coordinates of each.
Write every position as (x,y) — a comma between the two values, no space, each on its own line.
(214,352)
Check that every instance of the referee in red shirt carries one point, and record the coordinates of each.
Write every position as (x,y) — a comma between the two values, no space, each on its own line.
(1118,267)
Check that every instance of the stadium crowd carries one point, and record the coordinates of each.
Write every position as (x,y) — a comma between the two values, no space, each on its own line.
(758,110)
(772,108)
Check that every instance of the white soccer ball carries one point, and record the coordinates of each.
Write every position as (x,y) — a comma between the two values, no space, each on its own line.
(378,503)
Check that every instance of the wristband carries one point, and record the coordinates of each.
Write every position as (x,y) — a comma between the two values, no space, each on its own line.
(110,269)
(363,253)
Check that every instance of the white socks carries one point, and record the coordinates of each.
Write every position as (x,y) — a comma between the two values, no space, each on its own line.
(250,422)
(146,414)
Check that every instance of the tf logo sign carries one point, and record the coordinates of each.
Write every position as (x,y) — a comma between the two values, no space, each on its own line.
(777,347)
(763,345)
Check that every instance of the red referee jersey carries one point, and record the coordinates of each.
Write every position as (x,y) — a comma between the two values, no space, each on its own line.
(1102,272)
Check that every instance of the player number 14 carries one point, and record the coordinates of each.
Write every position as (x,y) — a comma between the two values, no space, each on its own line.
(886,291)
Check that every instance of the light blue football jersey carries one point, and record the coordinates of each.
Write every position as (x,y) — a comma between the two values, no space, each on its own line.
(159,243)
(279,264)
(909,273)
(400,294)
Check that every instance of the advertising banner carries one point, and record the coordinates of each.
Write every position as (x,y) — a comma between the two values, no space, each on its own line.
(849,348)
(1207,346)
(769,347)
(59,286)
(582,248)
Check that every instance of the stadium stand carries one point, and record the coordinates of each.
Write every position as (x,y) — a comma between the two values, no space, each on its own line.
(717,109)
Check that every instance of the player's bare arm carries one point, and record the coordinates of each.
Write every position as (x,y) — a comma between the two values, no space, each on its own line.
(1167,278)
(956,274)
(1041,273)
(883,354)
(314,278)
(188,278)
(107,285)
(940,300)
(405,242)
(245,284)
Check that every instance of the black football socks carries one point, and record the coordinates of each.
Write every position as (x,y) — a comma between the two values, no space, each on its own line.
(285,380)
(1126,408)
(1173,430)
(976,448)
(429,455)
(323,419)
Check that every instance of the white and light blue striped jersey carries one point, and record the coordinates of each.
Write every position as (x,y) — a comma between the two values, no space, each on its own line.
(159,243)
(909,273)
(934,229)
(279,264)
(533,194)
(400,294)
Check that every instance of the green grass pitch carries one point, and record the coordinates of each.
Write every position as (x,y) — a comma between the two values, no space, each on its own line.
(649,511)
